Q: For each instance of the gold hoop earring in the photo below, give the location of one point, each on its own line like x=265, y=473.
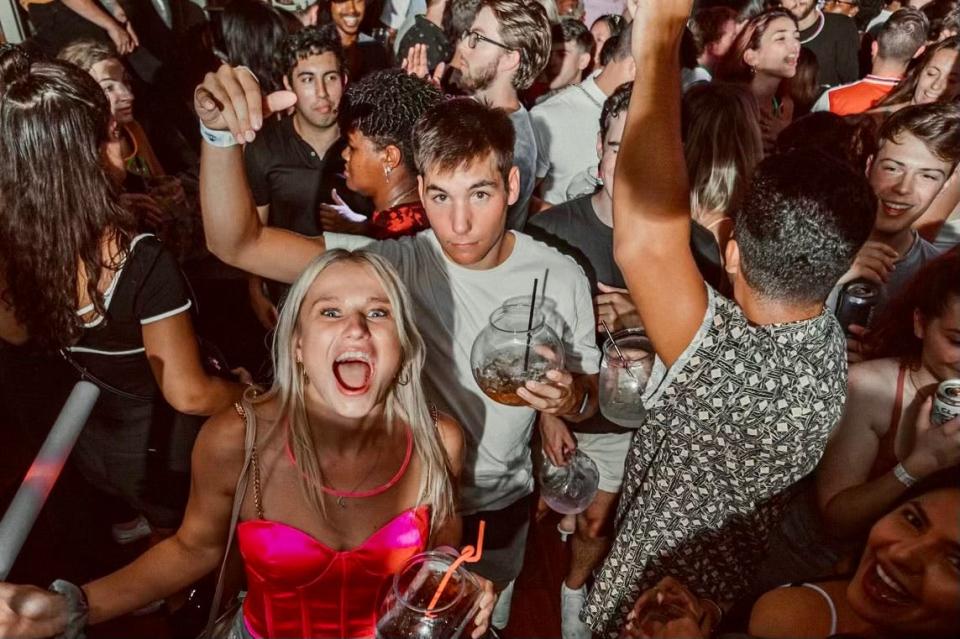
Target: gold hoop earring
x=403, y=378
x=304, y=378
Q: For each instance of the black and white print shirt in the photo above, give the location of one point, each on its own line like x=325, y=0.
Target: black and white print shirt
x=743, y=414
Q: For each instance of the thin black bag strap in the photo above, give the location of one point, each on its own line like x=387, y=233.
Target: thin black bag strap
x=90, y=377
x=245, y=411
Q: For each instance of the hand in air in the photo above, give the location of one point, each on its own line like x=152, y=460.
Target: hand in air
x=416, y=63
x=231, y=100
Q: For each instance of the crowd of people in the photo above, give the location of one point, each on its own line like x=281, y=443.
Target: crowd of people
x=376, y=182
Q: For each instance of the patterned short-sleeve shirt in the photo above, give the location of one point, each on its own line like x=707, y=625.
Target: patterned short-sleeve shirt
x=744, y=413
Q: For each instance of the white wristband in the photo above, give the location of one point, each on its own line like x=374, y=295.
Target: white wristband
x=903, y=476
x=219, y=139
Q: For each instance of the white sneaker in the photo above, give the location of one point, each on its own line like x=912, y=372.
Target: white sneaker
x=131, y=531
x=501, y=611
x=571, y=601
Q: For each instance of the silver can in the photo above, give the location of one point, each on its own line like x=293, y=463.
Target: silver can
x=946, y=405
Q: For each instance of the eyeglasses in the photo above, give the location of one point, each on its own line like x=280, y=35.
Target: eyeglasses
x=472, y=37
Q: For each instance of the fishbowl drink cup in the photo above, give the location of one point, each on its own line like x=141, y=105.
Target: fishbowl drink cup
x=621, y=386
x=513, y=349
x=404, y=612
x=569, y=489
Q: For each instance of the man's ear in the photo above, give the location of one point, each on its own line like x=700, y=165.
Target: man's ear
x=393, y=156
x=286, y=83
x=731, y=262
x=513, y=185
x=874, y=49
x=584, y=61
x=510, y=61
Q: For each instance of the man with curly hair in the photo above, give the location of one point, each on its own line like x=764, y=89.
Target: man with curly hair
x=506, y=48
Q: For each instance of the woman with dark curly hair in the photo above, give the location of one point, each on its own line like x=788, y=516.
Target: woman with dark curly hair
x=377, y=118
x=76, y=277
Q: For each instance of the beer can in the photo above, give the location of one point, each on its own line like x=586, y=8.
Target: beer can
x=946, y=405
x=856, y=303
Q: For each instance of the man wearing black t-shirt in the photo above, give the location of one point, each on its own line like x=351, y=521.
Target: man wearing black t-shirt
x=832, y=37
x=294, y=163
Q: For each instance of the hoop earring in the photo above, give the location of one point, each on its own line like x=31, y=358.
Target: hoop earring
x=304, y=378
x=403, y=378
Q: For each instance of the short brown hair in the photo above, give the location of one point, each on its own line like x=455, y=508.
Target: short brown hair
x=937, y=125
x=706, y=25
x=457, y=132
x=524, y=27
x=86, y=53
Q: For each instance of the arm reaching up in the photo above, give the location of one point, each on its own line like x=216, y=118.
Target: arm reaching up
x=230, y=100
x=651, y=203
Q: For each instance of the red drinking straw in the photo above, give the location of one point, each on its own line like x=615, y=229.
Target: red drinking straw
x=469, y=554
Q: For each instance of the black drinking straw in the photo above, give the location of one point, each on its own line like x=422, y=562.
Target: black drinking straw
x=533, y=303
x=616, y=347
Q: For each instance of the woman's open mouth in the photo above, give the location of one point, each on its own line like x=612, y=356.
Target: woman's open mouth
x=353, y=371
x=884, y=588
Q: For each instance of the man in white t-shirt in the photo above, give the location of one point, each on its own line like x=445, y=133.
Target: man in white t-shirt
x=459, y=272
x=566, y=125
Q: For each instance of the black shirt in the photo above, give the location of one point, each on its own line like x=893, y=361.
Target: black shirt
x=425, y=32
x=149, y=287
x=835, y=42
x=285, y=173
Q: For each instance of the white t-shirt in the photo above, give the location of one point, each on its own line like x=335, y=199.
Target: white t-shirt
x=566, y=128
x=452, y=305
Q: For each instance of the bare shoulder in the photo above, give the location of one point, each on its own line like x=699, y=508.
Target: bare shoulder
x=792, y=612
x=872, y=390
x=874, y=374
x=222, y=439
x=451, y=434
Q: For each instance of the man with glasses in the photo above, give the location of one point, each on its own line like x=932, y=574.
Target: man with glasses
x=506, y=48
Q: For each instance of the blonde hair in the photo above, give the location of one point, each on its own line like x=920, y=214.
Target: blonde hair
x=87, y=53
x=404, y=402
x=722, y=145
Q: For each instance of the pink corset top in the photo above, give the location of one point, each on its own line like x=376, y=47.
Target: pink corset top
x=299, y=587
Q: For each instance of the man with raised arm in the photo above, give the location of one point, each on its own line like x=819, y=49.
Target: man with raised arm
x=458, y=273
x=745, y=391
